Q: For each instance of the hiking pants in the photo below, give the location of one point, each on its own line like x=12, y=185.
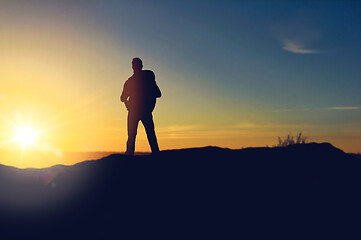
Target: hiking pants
x=147, y=120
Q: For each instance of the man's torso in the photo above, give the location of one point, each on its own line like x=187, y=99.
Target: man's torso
x=141, y=91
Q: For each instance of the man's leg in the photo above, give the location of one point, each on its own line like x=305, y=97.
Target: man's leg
x=132, y=132
x=148, y=123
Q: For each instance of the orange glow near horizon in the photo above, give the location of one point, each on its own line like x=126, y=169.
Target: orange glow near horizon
x=67, y=78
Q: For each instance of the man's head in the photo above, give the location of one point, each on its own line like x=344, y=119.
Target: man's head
x=137, y=64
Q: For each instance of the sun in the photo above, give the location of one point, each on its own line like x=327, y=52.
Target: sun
x=26, y=136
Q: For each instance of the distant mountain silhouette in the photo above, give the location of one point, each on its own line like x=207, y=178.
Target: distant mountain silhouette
x=47, y=159
x=301, y=191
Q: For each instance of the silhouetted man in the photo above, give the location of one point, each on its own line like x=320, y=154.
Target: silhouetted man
x=139, y=95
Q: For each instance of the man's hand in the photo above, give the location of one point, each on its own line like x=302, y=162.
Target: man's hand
x=127, y=104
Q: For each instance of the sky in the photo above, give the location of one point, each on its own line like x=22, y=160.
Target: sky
x=232, y=73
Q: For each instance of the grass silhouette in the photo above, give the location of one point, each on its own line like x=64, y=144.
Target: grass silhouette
x=291, y=140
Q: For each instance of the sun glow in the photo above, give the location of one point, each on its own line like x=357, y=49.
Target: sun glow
x=26, y=136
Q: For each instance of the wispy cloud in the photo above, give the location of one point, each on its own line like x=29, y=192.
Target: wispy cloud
x=267, y=125
x=295, y=47
x=284, y=110
x=292, y=110
x=178, y=128
x=245, y=125
x=345, y=108
x=327, y=108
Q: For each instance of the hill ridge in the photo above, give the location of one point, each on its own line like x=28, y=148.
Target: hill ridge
x=206, y=192
x=325, y=145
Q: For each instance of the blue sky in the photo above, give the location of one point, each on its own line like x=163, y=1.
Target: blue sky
x=233, y=69
x=280, y=54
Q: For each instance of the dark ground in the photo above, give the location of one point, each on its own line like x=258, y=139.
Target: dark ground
x=309, y=191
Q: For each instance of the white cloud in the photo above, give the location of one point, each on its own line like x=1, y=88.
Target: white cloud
x=295, y=47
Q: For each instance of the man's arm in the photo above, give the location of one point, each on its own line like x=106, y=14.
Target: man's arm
x=157, y=91
x=125, y=94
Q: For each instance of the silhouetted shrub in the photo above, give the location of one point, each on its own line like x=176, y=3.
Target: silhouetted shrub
x=291, y=140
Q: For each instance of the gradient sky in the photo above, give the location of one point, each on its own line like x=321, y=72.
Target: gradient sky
x=232, y=73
